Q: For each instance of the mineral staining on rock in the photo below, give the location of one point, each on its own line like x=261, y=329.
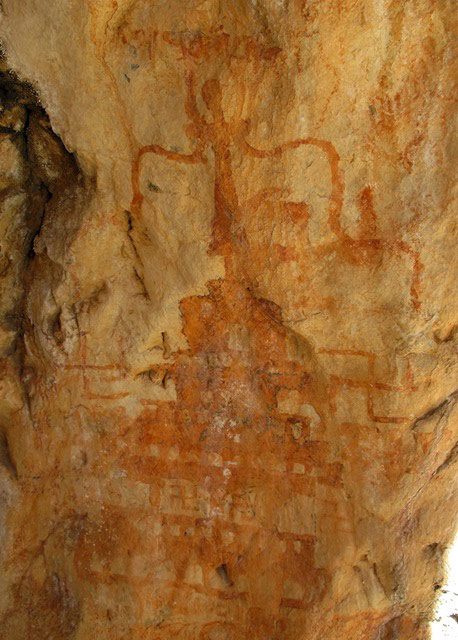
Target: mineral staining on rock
x=228, y=319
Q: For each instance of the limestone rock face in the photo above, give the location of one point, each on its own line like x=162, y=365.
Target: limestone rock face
x=228, y=318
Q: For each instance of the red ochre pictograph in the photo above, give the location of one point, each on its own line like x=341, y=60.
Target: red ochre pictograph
x=220, y=135
x=105, y=373
x=213, y=479
x=369, y=386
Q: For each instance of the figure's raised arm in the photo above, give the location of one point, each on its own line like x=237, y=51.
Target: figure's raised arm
x=137, y=198
x=337, y=182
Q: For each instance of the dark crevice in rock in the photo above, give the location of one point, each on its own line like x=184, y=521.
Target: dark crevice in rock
x=389, y=630
x=439, y=411
x=6, y=458
x=41, y=202
x=451, y=458
x=223, y=573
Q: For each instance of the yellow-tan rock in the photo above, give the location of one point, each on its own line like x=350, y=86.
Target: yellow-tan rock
x=228, y=318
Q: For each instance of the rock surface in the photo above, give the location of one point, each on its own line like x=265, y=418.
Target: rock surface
x=228, y=318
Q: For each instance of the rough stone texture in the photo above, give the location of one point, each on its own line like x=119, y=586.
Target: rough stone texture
x=228, y=318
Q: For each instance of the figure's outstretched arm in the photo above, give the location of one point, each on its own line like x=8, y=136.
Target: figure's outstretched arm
x=196, y=130
x=188, y=158
x=137, y=198
x=337, y=192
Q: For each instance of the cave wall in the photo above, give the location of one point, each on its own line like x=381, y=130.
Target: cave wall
x=228, y=318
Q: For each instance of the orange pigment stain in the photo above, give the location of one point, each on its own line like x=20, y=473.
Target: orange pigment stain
x=223, y=460
x=212, y=509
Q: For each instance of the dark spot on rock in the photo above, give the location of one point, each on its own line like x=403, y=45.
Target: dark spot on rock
x=223, y=573
x=6, y=459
